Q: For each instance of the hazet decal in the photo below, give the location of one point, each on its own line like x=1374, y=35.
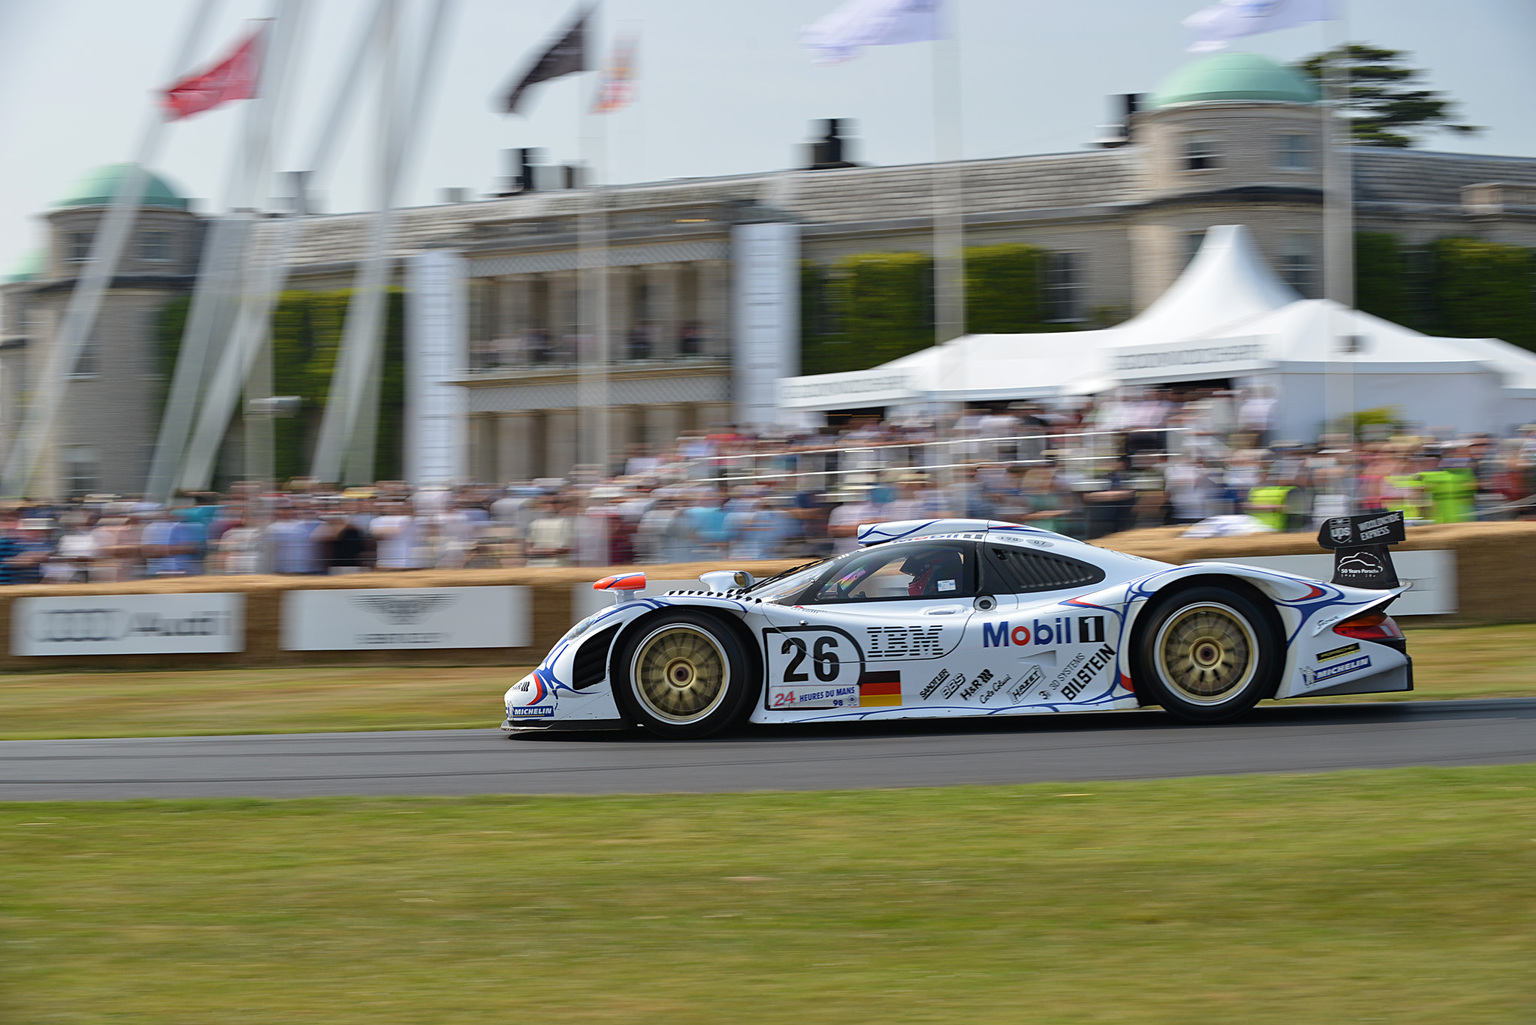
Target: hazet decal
x=1031, y=678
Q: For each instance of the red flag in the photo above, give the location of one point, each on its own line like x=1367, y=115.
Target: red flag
x=233, y=78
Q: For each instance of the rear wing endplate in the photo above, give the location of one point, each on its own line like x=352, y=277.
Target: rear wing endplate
x=1359, y=544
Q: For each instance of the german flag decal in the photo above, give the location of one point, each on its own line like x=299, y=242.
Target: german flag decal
x=880, y=689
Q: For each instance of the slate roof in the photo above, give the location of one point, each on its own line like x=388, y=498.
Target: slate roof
x=1093, y=178
x=1407, y=177
x=851, y=195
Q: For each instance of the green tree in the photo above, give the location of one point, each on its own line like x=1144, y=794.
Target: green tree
x=1384, y=101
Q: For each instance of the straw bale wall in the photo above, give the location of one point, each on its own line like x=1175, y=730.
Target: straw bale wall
x=1496, y=568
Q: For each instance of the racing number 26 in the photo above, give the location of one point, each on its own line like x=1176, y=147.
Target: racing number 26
x=823, y=659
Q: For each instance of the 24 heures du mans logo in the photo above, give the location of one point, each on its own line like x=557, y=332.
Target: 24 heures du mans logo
x=105, y=625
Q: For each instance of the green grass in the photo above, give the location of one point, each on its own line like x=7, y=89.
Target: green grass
x=1397, y=896
x=97, y=704
x=1471, y=662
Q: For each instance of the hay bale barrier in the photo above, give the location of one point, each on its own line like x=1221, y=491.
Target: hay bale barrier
x=1495, y=567
x=550, y=608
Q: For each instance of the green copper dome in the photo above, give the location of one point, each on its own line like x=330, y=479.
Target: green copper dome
x=100, y=186
x=1223, y=77
x=28, y=267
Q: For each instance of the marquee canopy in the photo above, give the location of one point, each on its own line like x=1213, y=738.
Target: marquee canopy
x=1228, y=316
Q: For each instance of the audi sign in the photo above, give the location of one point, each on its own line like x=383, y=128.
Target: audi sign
x=128, y=624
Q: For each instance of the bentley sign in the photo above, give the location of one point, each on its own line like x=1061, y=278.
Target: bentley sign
x=418, y=617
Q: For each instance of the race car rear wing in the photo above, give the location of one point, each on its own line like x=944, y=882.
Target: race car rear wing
x=1359, y=544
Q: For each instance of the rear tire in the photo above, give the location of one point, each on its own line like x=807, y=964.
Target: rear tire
x=1208, y=655
x=684, y=675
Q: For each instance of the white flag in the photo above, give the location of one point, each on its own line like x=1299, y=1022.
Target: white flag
x=1216, y=26
x=860, y=23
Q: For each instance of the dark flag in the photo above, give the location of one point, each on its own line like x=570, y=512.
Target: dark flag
x=566, y=56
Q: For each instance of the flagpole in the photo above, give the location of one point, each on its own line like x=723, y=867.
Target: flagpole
x=948, y=223
x=1338, y=241
x=592, y=295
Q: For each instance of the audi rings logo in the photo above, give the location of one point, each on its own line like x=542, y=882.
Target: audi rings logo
x=103, y=626
x=76, y=626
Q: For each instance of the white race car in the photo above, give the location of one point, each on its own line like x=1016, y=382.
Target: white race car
x=937, y=618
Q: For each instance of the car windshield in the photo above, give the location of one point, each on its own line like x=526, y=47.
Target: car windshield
x=791, y=582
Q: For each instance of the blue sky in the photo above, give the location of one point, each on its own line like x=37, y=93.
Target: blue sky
x=725, y=87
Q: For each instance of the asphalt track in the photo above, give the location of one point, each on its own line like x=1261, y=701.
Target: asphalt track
x=1115, y=745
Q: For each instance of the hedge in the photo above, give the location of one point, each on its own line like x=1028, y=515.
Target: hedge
x=871, y=308
x=1483, y=290
x=306, y=336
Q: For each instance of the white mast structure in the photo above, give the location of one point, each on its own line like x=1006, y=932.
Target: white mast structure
x=249, y=341
x=106, y=252
x=347, y=431
x=228, y=263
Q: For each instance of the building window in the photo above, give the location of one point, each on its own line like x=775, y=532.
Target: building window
x=1063, y=285
x=1293, y=152
x=1297, y=270
x=87, y=362
x=79, y=246
x=155, y=246
x=1200, y=152
x=81, y=471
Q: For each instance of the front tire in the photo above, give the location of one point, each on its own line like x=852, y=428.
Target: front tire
x=1208, y=655
x=684, y=675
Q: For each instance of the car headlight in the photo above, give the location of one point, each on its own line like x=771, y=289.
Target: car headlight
x=578, y=628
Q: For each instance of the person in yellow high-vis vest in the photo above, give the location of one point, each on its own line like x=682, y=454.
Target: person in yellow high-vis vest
x=1277, y=503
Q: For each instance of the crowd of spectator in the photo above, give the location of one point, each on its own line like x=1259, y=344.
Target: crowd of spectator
x=1203, y=458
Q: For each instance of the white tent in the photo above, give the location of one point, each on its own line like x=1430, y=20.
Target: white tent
x=1228, y=316
x=1226, y=284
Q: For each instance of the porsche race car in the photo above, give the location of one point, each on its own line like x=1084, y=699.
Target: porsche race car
x=938, y=618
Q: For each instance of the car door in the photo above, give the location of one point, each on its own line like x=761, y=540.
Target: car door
x=872, y=628
x=1034, y=648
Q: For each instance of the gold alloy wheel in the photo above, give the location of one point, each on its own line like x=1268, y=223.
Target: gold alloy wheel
x=681, y=673
x=1206, y=653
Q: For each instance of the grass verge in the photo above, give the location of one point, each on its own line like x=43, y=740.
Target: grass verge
x=1471, y=662
x=1396, y=896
